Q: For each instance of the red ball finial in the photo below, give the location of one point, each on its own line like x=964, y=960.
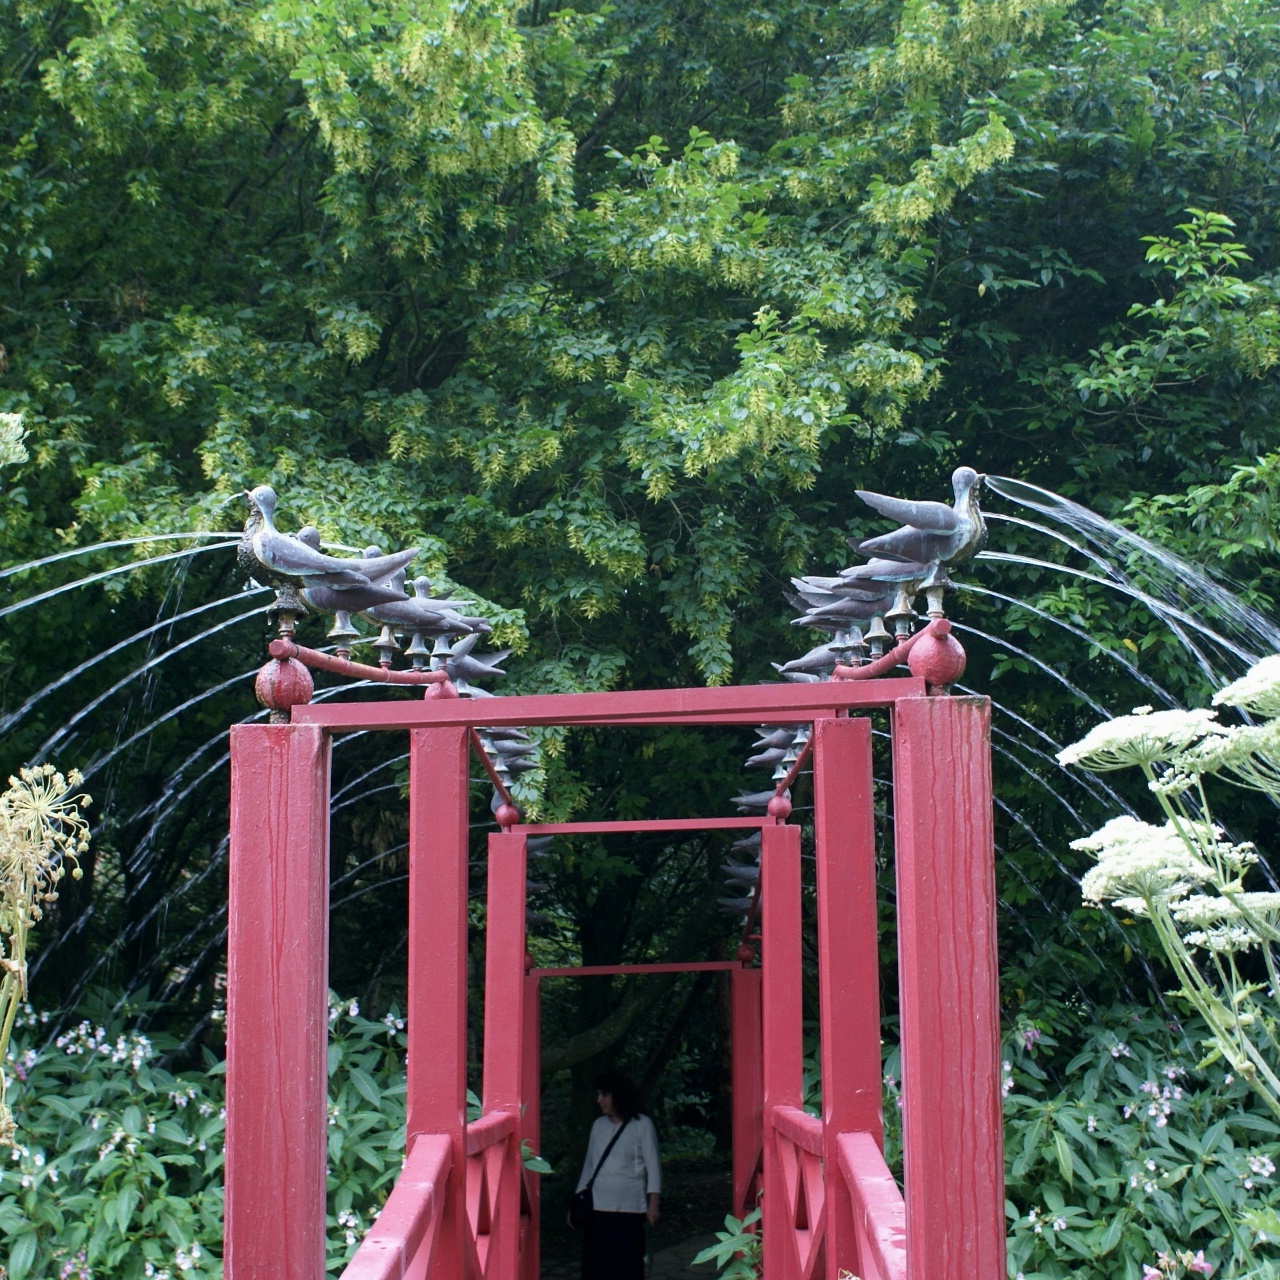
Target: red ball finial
x=507, y=815
x=745, y=953
x=282, y=684
x=937, y=657
x=780, y=808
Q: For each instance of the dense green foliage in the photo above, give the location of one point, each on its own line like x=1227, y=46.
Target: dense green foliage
x=609, y=308
x=1119, y=1148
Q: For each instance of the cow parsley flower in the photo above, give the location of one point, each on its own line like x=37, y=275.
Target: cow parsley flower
x=1137, y=860
x=1258, y=690
x=1142, y=738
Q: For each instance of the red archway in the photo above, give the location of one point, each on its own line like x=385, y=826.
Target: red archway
x=463, y=1207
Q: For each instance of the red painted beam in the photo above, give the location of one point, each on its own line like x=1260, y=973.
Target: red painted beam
x=945, y=865
x=848, y=957
x=771, y=703
x=531, y=1127
x=504, y=1031
x=782, y=1000
x=277, y=1003
x=437, y=1057
x=606, y=970
x=635, y=825
x=747, y=1083
x=799, y=1127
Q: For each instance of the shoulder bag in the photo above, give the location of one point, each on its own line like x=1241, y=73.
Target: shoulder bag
x=581, y=1206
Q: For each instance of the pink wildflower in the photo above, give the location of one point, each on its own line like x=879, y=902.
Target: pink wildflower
x=1199, y=1264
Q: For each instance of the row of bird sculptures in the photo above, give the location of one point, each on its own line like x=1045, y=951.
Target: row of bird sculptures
x=913, y=559
x=853, y=609
x=371, y=585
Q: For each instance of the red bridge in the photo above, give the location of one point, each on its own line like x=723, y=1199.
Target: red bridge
x=463, y=1207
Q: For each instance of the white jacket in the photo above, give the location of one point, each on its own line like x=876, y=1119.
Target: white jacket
x=631, y=1171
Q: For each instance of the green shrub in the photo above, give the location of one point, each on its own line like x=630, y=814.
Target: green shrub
x=1131, y=1159
x=118, y=1170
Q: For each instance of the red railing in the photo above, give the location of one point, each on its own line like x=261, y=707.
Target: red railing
x=798, y=1141
x=879, y=1214
x=401, y=1243
x=491, y=1242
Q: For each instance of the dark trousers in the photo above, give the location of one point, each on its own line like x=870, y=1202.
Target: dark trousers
x=614, y=1247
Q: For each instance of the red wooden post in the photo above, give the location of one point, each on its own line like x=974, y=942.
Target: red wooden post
x=782, y=999
x=531, y=1126
x=746, y=1083
x=848, y=961
x=277, y=1003
x=953, y=1163
x=504, y=1027
x=437, y=1058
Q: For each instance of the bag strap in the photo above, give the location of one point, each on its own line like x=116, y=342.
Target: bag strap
x=607, y=1149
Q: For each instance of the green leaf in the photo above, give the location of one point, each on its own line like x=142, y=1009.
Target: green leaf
x=365, y=1085
x=1064, y=1158
x=22, y=1255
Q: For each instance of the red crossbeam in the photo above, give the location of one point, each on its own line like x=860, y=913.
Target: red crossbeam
x=607, y=970
x=488, y=1131
x=799, y=1127
x=752, y=705
x=648, y=824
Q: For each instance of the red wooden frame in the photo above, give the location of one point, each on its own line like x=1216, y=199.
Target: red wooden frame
x=463, y=1208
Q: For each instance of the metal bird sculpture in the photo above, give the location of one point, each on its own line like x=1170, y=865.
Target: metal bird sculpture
x=469, y=667
x=342, y=602
x=931, y=533
x=818, y=660
x=275, y=559
x=749, y=800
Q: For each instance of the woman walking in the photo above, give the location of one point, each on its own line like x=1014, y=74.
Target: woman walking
x=626, y=1184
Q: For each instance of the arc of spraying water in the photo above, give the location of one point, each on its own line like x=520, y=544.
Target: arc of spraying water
x=1074, y=689
x=1145, y=680
x=28, y=601
x=1244, y=620
x=7, y=722
x=138, y=672
x=1167, y=613
x=115, y=542
x=216, y=858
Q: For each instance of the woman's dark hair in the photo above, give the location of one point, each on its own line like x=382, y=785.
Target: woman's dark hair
x=626, y=1099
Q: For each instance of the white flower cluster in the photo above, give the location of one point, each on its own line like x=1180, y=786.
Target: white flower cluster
x=1260, y=1167
x=353, y=1229
x=1138, y=862
x=185, y=1260
x=1144, y=738
x=1258, y=690
x=1247, y=754
x=87, y=1039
